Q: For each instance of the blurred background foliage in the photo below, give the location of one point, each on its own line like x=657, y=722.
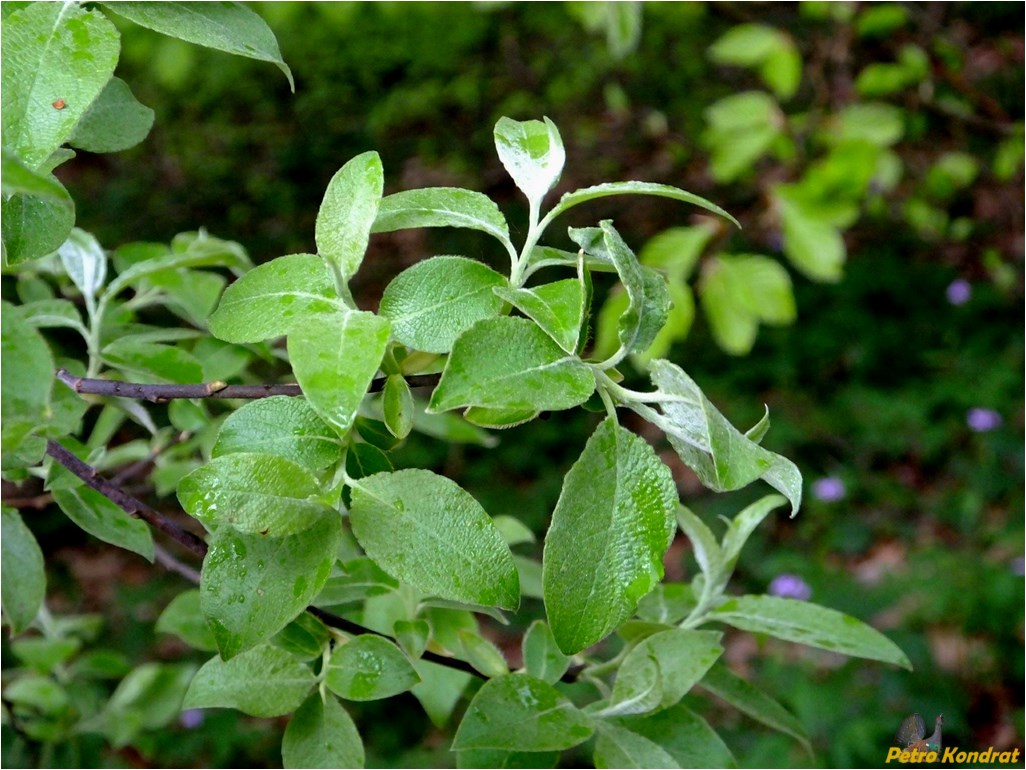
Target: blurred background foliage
x=873, y=153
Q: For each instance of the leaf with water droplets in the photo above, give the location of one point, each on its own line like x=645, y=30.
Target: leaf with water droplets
x=334, y=357
x=252, y=586
x=369, y=667
x=519, y=712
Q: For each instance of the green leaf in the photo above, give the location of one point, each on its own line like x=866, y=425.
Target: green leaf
x=441, y=207
x=542, y=657
x=184, y=618
x=519, y=712
x=348, y=211
x=510, y=363
x=882, y=125
x=558, y=308
x=273, y=298
x=744, y=524
x=532, y=153
x=811, y=625
x=662, y=669
x=485, y=417
x=612, y=524
x=321, y=734
x=114, y=122
x=253, y=586
x=35, y=226
x=187, y=250
x=334, y=358
x=152, y=362
x=813, y=244
x=26, y=379
x=667, y=603
x=50, y=313
x=397, y=406
x=739, y=693
x=366, y=460
x=57, y=60
x=425, y=530
x=678, y=323
x=85, y=262
x=496, y=758
x=703, y=543
x=439, y=690
x=413, y=636
x=263, y=682
x=103, y=519
x=733, y=325
x=361, y=579
x=633, y=188
x=229, y=27
x=513, y=530
x=742, y=127
x=283, y=426
x=254, y=493
x=618, y=747
x=683, y=735
x=482, y=654
x=433, y=302
x=722, y=456
x=769, y=49
x=676, y=250
x=148, y=698
x=369, y=667
x=19, y=178
x=306, y=637
x=23, y=578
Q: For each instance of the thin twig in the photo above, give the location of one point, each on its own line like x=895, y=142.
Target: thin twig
x=170, y=562
x=160, y=394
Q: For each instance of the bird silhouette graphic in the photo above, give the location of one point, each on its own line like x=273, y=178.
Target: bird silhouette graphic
x=912, y=731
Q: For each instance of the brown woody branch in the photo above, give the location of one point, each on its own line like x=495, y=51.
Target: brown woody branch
x=160, y=394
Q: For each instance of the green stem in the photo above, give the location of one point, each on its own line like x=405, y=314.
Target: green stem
x=534, y=231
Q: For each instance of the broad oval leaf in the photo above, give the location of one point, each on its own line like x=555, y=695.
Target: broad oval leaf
x=683, y=735
x=813, y=243
x=369, y=667
x=263, y=682
x=57, y=60
x=441, y=207
x=542, y=657
x=618, y=747
x=252, y=586
x=348, y=211
x=35, y=226
x=811, y=625
x=255, y=493
x=519, y=712
x=114, y=122
x=283, y=426
x=558, y=308
x=272, y=298
x=532, y=153
x=433, y=302
x=334, y=357
x=321, y=734
x=510, y=363
x=612, y=524
x=425, y=530
x=23, y=578
x=229, y=27
x=103, y=519
x=634, y=188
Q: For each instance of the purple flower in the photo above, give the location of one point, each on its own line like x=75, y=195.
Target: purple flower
x=982, y=420
x=829, y=489
x=790, y=587
x=959, y=291
x=190, y=719
x=1019, y=566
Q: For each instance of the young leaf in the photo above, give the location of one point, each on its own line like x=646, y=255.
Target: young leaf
x=558, y=308
x=348, y=211
x=57, y=59
x=618, y=747
x=748, y=699
x=662, y=669
x=335, y=357
x=272, y=298
x=542, y=657
x=611, y=526
x=519, y=712
x=23, y=578
x=482, y=654
x=703, y=543
x=720, y=454
x=532, y=153
x=283, y=426
x=26, y=379
x=184, y=618
x=441, y=207
x=809, y=624
x=510, y=363
x=369, y=667
x=362, y=578
x=114, y=122
x=433, y=302
x=571, y=199
x=229, y=27
x=321, y=734
x=397, y=406
x=413, y=636
x=103, y=519
x=85, y=262
x=253, y=586
x=263, y=682
x=425, y=530
x=744, y=524
x=683, y=735
x=254, y=493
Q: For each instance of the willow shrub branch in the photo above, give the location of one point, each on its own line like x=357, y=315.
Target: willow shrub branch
x=162, y=393
x=198, y=546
